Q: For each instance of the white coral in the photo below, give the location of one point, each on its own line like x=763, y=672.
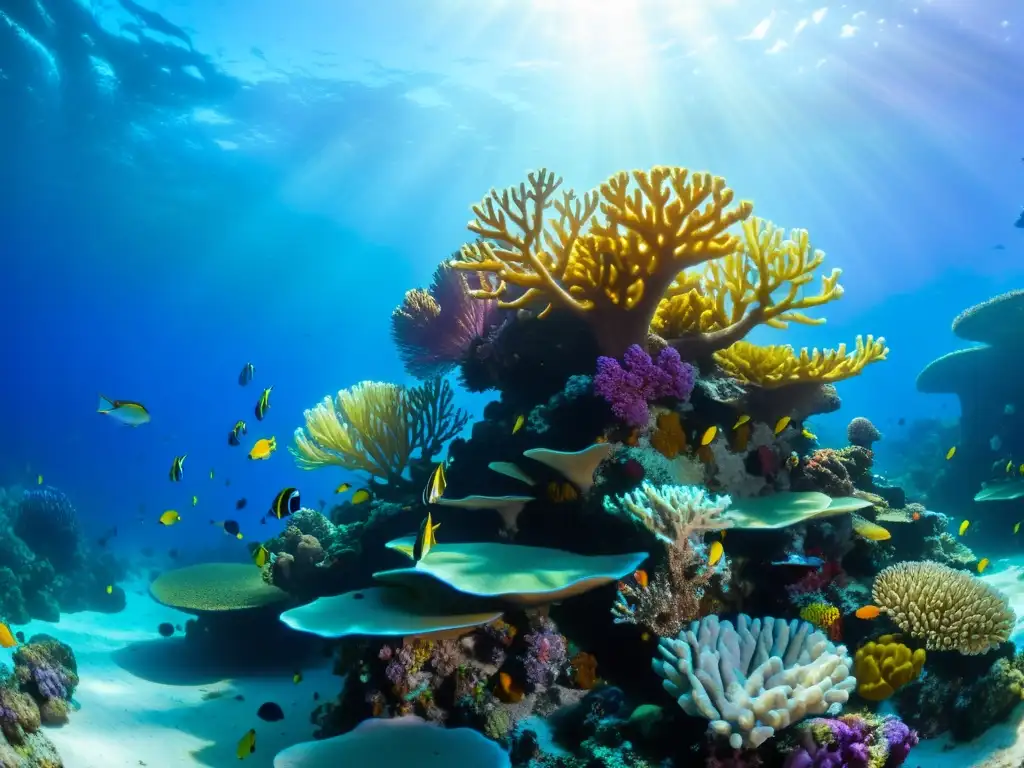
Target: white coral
x=674, y=513
x=755, y=678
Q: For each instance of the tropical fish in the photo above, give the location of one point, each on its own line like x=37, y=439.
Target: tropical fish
x=246, y=375
x=983, y=564
x=520, y=420
x=869, y=530
x=263, y=448
x=1009, y=466
x=361, y=496
x=263, y=404
x=743, y=419
x=7, y=639
x=1016, y=528
x=709, y=435
x=426, y=539
x=285, y=503
x=343, y=487
x=230, y=527
x=808, y=434
x=715, y=553
x=39, y=480
x=916, y=516
x=240, y=504
x=125, y=412
x=170, y=517
x=260, y=556
x=964, y=526
x=1022, y=469
x=211, y=474
x=782, y=423
x=239, y=429
x=803, y=561
x=195, y=500
x=642, y=579
x=868, y=612
x=435, y=486
x=297, y=677
x=110, y=589
x=270, y=712
x=951, y=453
x=166, y=629
x=177, y=468
x=246, y=744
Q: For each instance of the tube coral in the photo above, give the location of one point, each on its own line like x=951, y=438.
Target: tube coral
x=434, y=328
x=629, y=387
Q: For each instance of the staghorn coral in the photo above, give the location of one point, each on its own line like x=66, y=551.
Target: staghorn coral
x=613, y=266
x=885, y=665
x=780, y=365
x=629, y=388
x=434, y=329
x=754, y=678
x=862, y=433
x=946, y=608
x=376, y=427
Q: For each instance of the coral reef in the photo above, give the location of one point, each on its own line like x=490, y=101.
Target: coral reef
x=862, y=433
x=852, y=741
x=639, y=381
x=885, y=665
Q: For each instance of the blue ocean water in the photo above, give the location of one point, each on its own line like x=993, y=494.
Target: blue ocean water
x=187, y=186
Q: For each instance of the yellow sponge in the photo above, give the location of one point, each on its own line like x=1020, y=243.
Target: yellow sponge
x=885, y=665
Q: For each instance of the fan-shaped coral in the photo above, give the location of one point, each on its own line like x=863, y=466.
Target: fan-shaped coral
x=949, y=610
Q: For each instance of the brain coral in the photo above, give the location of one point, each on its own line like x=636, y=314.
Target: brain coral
x=215, y=587
x=950, y=610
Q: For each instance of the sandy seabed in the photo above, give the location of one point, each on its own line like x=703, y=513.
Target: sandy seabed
x=151, y=701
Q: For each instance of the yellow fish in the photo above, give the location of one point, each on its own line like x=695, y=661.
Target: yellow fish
x=519, y=424
x=951, y=453
x=125, y=412
x=361, y=496
x=709, y=435
x=39, y=480
x=982, y=564
x=715, y=553
x=782, y=423
x=426, y=539
x=247, y=744
x=1016, y=528
x=110, y=589
x=1009, y=466
x=195, y=500
x=263, y=448
x=808, y=434
x=260, y=556
x=435, y=486
x=741, y=421
x=297, y=677
x=964, y=526
x=170, y=517
x=1022, y=469
x=177, y=468
x=343, y=487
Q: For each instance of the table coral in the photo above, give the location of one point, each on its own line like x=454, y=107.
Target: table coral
x=755, y=678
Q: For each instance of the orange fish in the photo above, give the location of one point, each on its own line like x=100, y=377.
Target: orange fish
x=867, y=612
x=916, y=516
x=7, y=639
x=641, y=579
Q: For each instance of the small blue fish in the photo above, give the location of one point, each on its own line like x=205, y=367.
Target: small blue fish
x=802, y=561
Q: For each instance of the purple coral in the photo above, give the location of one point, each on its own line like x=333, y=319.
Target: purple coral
x=52, y=684
x=851, y=741
x=631, y=386
x=433, y=329
x=545, y=655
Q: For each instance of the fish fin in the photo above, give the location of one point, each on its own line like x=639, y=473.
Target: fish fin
x=106, y=405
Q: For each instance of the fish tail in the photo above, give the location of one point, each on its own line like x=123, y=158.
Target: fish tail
x=106, y=405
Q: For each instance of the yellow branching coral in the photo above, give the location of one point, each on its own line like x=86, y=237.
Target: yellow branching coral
x=610, y=255
x=376, y=427
x=740, y=290
x=884, y=666
x=949, y=610
x=779, y=365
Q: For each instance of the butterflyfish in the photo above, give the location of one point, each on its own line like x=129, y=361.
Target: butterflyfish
x=715, y=553
x=951, y=453
x=236, y=432
x=125, y=412
x=343, y=487
x=741, y=421
x=709, y=435
x=964, y=526
x=170, y=517
x=246, y=744
x=230, y=527
x=361, y=496
x=285, y=503
x=260, y=556
x=435, y=486
x=177, y=468
x=982, y=564
x=263, y=404
x=246, y=375
x=782, y=423
x=520, y=420
x=263, y=448
x=426, y=539
x=7, y=639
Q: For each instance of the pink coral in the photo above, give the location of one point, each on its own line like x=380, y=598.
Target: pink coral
x=433, y=329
